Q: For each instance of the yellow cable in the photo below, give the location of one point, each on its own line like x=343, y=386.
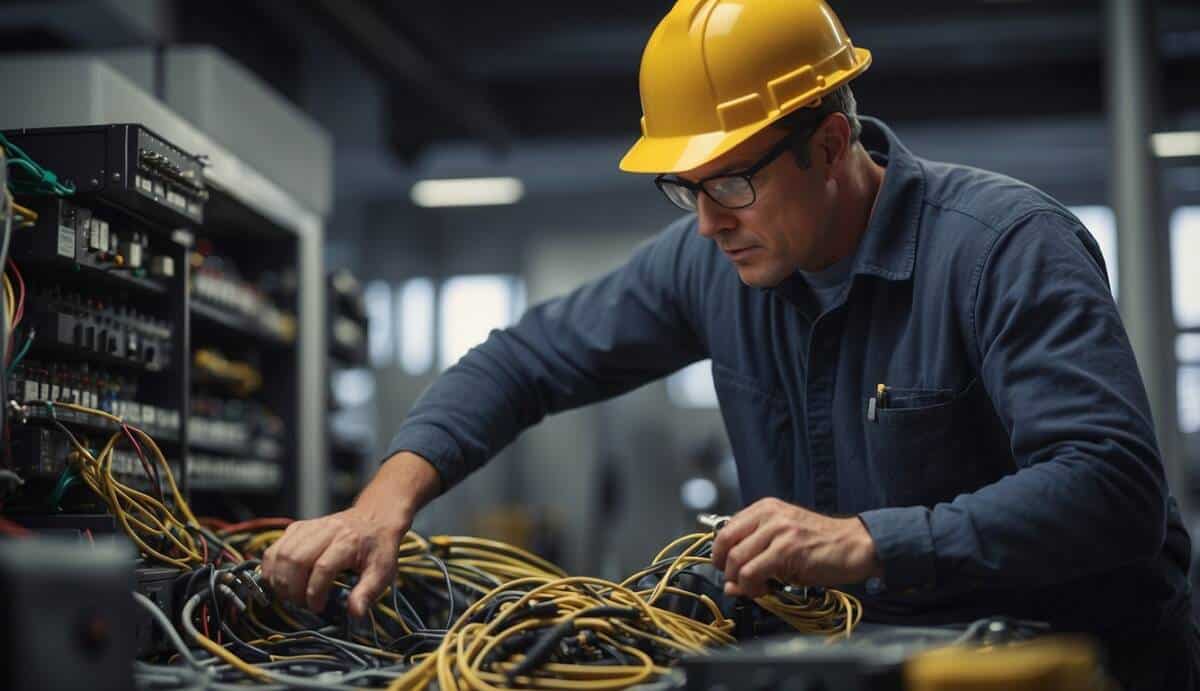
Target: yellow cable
x=10, y=305
x=29, y=216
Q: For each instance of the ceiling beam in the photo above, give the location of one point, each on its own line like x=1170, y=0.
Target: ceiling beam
x=367, y=34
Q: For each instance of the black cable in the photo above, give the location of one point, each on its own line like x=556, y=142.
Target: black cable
x=215, y=614
x=58, y=423
x=541, y=651
x=497, y=600
x=399, y=597
x=449, y=587
x=220, y=621
x=490, y=582
x=374, y=628
x=433, y=597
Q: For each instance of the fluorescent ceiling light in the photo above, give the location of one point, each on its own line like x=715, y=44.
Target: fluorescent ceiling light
x=467, y=192
x=1176, y=144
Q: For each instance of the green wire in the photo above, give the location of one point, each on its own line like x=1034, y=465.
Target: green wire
x=44, y=182
x=24, y=349
x=13, y=149
x=64, y=483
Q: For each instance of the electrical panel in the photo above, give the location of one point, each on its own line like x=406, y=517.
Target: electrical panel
x=145, y=295
x=99, y=334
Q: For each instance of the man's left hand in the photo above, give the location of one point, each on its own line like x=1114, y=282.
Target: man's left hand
x=774, y=539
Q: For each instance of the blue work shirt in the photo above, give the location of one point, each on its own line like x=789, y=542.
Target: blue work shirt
x=1011, y=467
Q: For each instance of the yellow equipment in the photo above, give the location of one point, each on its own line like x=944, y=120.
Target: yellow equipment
x=1043, y=664
x=715, y=72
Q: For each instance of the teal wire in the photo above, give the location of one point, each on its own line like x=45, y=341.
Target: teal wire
x=24, y=349
x=45, y=182
x=64, y=483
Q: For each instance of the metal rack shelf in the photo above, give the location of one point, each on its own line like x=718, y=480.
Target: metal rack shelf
x=237, y=323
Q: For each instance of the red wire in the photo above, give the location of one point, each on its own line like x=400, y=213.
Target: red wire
x=88, y=533
x=20, y=312
x=256, y=524
x=7, y=527
x=204, y=619
x=150, y=468
x=214, y=524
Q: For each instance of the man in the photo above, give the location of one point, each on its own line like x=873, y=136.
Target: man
x=925, y=380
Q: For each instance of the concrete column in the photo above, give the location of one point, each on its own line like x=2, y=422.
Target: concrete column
x=1144, y=249
x=312, y=462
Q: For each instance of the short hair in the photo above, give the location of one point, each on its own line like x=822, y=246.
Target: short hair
x=805, y=120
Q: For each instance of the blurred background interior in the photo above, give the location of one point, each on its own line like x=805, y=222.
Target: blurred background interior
x=347, y=117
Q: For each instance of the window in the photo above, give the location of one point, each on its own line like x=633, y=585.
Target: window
x=692, y=386
x=470, y=307
x=1187, y=386
x=1102, y=224
x=1187, y=349
x=414, y=319
x=1187, y=382
x=353, y=387
x=1185, y=247
x=380, y=330
x=1185, y=294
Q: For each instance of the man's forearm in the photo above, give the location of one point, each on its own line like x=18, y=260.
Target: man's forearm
x=404, y=483
x=607, y=337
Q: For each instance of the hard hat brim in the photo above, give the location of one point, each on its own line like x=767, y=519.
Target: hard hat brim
x=683, y=153
x=686, y=152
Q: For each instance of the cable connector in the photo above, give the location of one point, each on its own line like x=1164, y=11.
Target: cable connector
x=18, y=412
x=712, y=521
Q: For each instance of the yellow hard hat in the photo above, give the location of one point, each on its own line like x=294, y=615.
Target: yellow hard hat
x=715, y=72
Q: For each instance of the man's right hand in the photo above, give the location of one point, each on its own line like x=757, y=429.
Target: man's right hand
x=302, y=564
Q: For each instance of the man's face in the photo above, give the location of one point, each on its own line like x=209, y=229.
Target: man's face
x=788, y=225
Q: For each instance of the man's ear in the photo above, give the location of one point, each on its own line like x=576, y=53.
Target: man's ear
x=831, y=142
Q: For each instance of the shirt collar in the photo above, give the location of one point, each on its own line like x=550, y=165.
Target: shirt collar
x=888, y=248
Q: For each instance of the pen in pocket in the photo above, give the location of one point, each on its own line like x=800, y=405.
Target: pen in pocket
x=877, y=402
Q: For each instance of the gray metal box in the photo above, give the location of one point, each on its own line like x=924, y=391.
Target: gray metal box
x=66, y=617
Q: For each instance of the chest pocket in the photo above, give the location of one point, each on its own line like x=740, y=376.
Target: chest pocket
x=760, y=431
x=929, y=446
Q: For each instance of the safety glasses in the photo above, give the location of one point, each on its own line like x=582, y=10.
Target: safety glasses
x=731, y=190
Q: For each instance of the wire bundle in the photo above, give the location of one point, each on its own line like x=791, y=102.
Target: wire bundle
x=249, y=635
x=806, y=609
x=568, y=633
x=462, y=612
x=148, y=520
x=14, y=313
x=586, y=633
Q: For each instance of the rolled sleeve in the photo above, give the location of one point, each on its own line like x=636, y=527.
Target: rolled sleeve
x=904, y=544
x=435, y=445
